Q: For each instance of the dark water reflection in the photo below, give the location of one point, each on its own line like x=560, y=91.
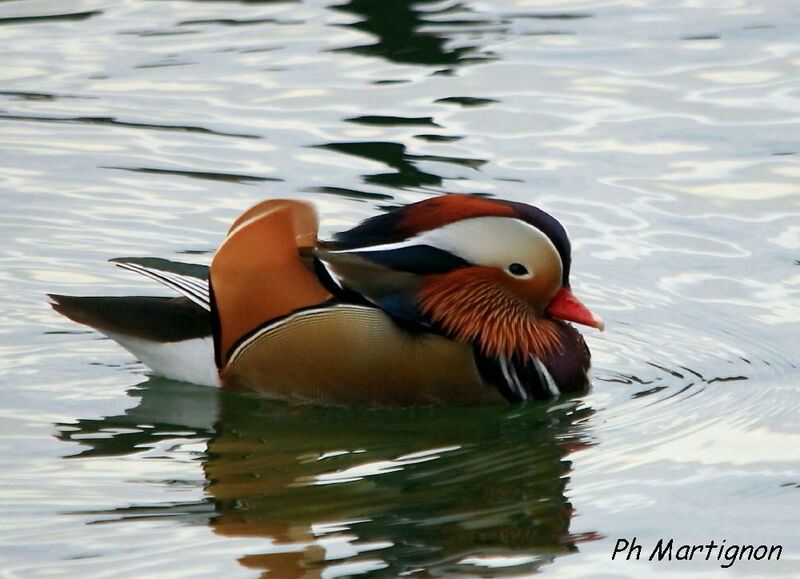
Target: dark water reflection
x=107, y=121
x=407, y=173
x=438, y=491
x=664, y=137
x=70, y=17
x=399, y=26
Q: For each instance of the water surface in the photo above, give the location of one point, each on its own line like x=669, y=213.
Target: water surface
x=664, y=136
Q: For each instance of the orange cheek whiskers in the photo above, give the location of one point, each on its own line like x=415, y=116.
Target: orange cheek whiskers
x=472, y=307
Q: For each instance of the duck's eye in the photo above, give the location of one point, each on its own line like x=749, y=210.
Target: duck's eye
x=518, y=270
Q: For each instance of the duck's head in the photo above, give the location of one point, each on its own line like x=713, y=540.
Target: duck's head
x=490, y=272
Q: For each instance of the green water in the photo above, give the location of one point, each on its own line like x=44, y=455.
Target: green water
x=664, y=137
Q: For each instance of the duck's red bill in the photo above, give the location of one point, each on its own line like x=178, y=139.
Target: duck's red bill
x=565, y=306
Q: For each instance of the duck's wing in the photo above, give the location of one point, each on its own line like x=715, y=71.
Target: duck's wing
x=159, y=319
x=189, y=280
x=258, y=275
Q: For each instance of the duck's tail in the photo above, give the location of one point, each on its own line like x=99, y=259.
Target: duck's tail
x=172, y=336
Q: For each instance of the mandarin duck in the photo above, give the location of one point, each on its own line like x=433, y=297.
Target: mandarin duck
x=457, y=299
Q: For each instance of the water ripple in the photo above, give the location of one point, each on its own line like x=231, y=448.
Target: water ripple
x=663, y=137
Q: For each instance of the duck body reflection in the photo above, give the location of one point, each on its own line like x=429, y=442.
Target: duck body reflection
x=449, y=492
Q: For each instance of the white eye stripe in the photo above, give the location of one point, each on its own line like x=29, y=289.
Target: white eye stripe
x=470, y=239
x=495, y=241
x=442, y=237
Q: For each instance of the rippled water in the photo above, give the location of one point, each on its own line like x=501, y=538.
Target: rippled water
x=665, y=137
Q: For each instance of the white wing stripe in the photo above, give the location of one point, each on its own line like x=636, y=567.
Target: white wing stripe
x=193, y=288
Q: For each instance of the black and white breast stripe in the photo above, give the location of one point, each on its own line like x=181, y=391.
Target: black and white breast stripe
x=517, y=381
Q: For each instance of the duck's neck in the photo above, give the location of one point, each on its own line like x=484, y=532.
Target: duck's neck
x=476, y=310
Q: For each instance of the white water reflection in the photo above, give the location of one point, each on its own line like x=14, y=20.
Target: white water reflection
x=663, y=136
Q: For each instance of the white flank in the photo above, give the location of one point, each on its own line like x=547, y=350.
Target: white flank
x=188, y=360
